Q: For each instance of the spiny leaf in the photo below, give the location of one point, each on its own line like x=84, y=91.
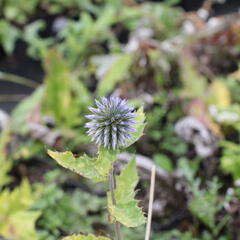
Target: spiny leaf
x=126, y=210
x=83, y=237
x=139, y=126
x=95, y=169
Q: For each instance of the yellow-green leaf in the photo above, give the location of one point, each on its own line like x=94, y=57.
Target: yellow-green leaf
x=4, y=177
x=58, y=100
x=12, y=227
x=15, y=214
x=85, y=237
x=95, y=169
x=21, y=198
x=126, y=210
x=220, y=94
x=4, y=162
x=194, y=85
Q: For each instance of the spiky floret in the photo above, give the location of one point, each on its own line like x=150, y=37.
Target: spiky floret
x=111, y=122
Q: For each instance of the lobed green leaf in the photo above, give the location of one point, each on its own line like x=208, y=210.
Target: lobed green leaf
x=126, y=210
x=95, y=169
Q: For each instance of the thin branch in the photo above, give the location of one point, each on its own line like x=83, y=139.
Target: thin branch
x=12, y=97
x=150, y=206
x=17, y=79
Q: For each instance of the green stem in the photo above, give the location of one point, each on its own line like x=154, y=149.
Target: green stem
x=117, y=227
x=17, y=79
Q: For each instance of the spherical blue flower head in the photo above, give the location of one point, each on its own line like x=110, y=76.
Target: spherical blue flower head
x=111, y=123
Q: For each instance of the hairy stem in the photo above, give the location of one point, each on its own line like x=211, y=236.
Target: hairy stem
x=112, y=187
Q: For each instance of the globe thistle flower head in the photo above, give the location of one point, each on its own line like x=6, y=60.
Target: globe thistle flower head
x=111, y=122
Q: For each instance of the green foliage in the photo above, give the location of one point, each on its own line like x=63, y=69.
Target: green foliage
x=194, y=85
x=58, y=89
x=118, y=71
x=174, y=234
x=37, y=46
x=4, y=162
x=88, y=59
x=188, y=168
x=230, y=160
x=23, y=111
x=126, y=210
x=4, y=177
x=164, y=18
x=78, y=36
x=66, y=98
x=57, y=6
x=95, y=169
x=219, y=94
x=163, y=161
x=233, y=83
x=16, y=215
x=59, y=101
x=85, y=237
x=160, y=128
x=133, y=233
x=206, y=204
x=62, y=212
x=8, y=36
x=19, y=11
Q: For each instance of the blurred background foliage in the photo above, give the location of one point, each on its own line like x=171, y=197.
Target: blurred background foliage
x=57, y=56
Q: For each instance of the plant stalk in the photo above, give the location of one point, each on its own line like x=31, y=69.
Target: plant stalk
x=150, y=206
x=17, y=79
x=117, y=228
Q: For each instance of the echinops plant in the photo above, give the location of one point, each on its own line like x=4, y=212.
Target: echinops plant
x=113, y=125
